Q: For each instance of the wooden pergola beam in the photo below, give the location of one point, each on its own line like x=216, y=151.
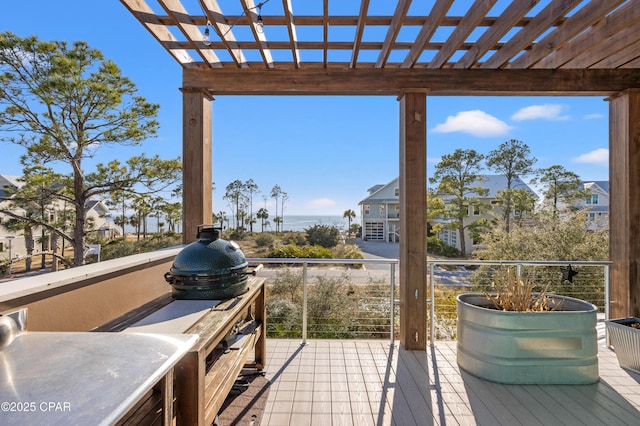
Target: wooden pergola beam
x=388, y=81
x=413, y=220
x=624, y=181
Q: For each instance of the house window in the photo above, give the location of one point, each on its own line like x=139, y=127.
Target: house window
x=1, y=246
x=454, y=238
x=593, y=199
x=592, y=216
x=381, y=210
x=396, y=191
x=476, y=210
x=366, y=209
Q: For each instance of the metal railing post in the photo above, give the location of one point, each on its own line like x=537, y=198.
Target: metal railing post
x=393, y=302
x=432, y=307
x=607, y=298
x=304, y=303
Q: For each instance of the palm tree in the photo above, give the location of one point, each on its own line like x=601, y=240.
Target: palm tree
x=349, y=214
x=263, y=215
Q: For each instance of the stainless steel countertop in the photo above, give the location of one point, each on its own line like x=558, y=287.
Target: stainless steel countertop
x=69, y=378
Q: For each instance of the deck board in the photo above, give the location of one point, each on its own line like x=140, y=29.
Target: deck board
x=351, y=382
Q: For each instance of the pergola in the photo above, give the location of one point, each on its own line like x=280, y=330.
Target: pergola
x=412, y=50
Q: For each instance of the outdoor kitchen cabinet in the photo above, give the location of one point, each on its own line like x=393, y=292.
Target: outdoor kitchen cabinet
x=90, y=378
x=228, y=331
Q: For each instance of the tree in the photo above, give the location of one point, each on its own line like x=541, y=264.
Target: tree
x=62, y=104
x=235, y=196
x=263, y=215
x=276, y=191
x=349, y=214
x=546, y=238
x=457, y=178
x=220, y=217
x=252, y=188
x=560, y=186
x=513, y=160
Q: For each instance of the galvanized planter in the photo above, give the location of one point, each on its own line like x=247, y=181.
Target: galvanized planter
x=558, y=347
x=625, y=341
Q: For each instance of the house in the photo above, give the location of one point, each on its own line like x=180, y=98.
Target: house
x=380, y=212
x=597, y=203
x=97, y=214
x=494, y=183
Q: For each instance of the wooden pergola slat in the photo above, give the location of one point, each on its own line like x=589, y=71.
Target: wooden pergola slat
x=143, y=13
x=364, y=7
x=216, y=17
x=528, y=34
x=600, y=51
x=392, y=33
x=426, y=32
x=461, y=31
x=490, y=37
x=291, y=29
x=182, y=19
x=583, y=18
x=626, y=15
x=261, y=40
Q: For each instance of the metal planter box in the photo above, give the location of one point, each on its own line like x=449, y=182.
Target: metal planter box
x=558, y=347
x=625, y=341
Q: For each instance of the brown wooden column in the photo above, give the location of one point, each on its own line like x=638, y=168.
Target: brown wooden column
x=413, y=230
x=624, y=204
x=196, y=160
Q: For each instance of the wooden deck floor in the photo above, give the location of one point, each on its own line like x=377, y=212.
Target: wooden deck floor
x=348, y=382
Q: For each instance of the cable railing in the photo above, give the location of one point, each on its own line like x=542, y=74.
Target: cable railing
x=309, y=298
x=356, y=301
x=586, y=280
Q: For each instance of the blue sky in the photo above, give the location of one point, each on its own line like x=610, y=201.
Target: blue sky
x=324, y=151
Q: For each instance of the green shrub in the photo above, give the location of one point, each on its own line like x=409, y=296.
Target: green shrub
x=305, y=252
x=236, y=234
x=265, y=240
x=120, y=248
x=323, y=235
x=349, y=251
x=436, y=246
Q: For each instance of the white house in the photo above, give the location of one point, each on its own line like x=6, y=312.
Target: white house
x=494, y=183
x=597, y=203
x=380, y=212
x=97, y=221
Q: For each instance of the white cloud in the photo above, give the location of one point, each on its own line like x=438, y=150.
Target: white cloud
x=595, y=116
x=477, y=123
x=546, y=111
x=321, y=203
x=434, y=160
x=599, y=156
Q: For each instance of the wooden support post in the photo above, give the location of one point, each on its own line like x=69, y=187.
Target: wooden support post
x=196, y=160
x=624, y=216
x=413, y=229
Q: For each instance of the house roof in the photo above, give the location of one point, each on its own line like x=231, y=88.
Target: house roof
x=376, y=193
x=11, y=181
x=495, y=183
x=603, y=184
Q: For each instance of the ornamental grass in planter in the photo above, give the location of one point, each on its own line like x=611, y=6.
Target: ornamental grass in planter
x=624, y=336
x=521, y=334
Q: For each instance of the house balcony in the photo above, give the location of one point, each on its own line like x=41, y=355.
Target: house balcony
x=364, y=376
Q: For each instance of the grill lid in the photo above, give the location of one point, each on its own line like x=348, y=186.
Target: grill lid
x=209, y=257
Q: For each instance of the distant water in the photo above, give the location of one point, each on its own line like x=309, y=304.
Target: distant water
x=290, y=223
x=300, y=223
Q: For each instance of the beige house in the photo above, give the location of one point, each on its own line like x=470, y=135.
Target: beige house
x=494, y=183
x=97, y=220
